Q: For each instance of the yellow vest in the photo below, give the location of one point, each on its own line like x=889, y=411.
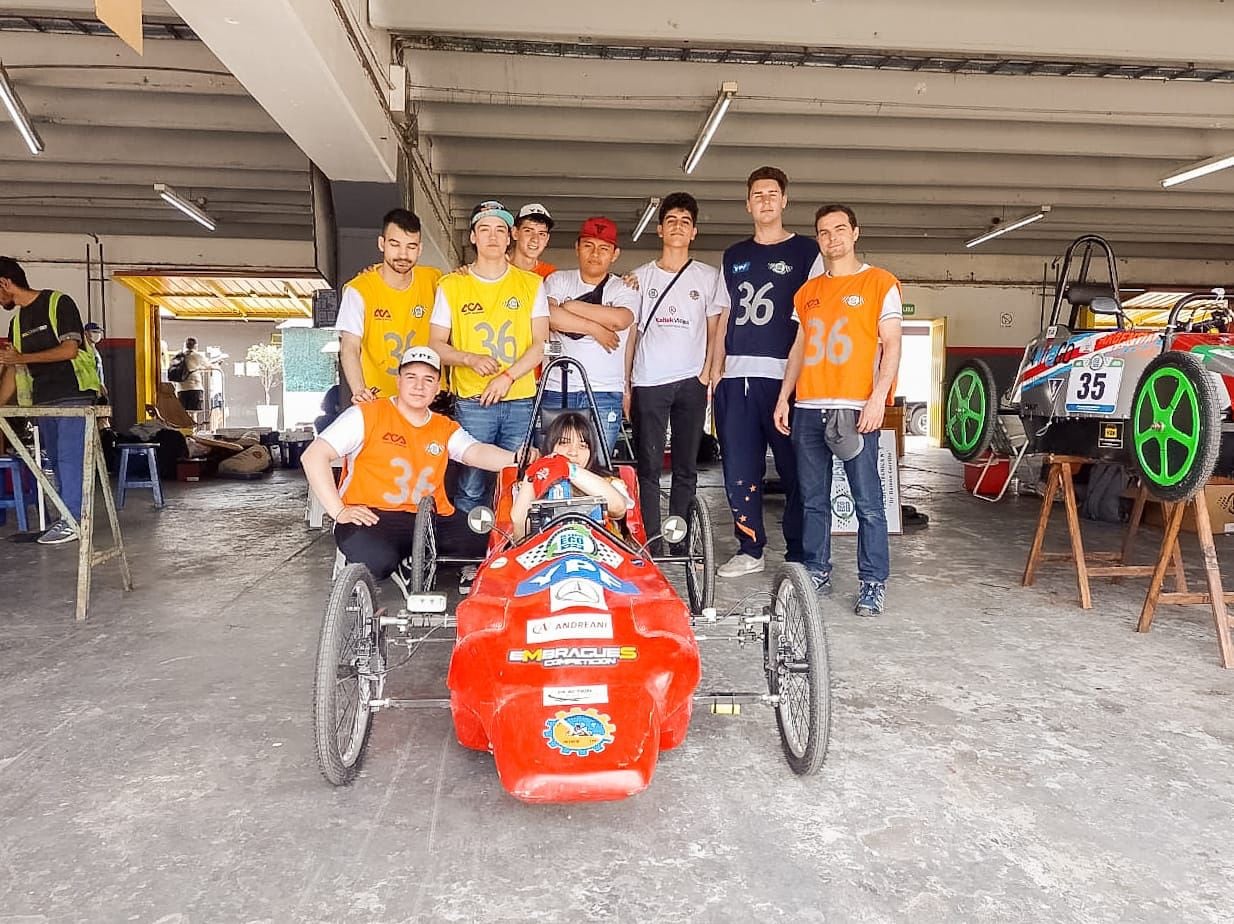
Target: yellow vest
x=394, y=321
x=494, y=319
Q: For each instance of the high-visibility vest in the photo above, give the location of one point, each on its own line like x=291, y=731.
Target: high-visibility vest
x=84, y=365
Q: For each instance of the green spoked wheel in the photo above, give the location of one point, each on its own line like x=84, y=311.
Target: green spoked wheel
x=1175, y=426
x=971, y=411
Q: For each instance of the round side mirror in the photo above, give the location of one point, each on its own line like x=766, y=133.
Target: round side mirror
x=674, y=529
x=481, y=521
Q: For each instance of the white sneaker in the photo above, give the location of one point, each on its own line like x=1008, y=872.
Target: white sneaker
x=741, y=564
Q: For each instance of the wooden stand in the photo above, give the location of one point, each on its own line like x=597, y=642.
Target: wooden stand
x=1095, y=564
x=1215, y=597
x=92, y=467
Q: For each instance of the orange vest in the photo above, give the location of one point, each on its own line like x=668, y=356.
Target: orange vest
x=544, y=270
x=839, y=317
x=399, y=464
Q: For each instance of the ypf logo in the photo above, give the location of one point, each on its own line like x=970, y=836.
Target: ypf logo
x=382, y=314
x=395, y=439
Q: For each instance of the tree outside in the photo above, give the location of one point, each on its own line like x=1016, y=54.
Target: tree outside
x=269, y=360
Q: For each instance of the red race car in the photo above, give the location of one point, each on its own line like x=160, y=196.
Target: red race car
x=576, y=661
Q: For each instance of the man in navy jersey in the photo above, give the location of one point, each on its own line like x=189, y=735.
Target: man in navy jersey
x=762, y=274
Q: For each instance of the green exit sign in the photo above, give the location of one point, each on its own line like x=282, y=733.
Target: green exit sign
x=909, y=309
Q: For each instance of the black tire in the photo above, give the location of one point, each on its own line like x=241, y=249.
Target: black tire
x=701, y=548
x=798, y=664
x=971, y=411
x=1175, y=426
x=347, y=675
x=919, y=420
x=424, y=548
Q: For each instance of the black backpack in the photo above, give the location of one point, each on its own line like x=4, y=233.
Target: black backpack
x=178, y=371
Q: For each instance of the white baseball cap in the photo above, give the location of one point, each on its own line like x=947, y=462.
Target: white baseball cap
x=537, y=211
x=421, y=354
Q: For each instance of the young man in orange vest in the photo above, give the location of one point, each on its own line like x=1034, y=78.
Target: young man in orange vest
x=395, y=452
x=384, y=311
x=843, y=365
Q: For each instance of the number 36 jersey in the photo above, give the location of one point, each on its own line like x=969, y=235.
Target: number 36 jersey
x=389, y=462
x=839, y=318
x=491, y=317
x=762, y=280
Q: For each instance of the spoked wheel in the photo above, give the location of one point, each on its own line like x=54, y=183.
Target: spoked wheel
x=349, y=674
x=701, y=549
x=424, y=547
x=1176, y=426
x=799, y=670
x=972, y=410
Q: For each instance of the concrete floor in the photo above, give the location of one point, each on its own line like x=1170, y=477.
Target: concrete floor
x=997, y=754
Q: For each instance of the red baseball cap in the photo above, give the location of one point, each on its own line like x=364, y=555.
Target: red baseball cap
x=602, y=229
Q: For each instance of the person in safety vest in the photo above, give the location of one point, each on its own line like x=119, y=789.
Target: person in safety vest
x=49, y=362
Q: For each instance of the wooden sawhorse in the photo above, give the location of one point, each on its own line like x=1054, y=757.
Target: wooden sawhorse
x=1093, y=564
x=1215, y=596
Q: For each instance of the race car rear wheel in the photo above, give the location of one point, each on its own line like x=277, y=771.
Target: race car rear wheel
x=348, y=674
x=701, y=549
x=1175, y=426
x=971, y=410
x=799, y=670
x=424, y=547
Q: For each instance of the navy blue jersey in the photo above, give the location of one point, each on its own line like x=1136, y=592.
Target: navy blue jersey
x=762, y=280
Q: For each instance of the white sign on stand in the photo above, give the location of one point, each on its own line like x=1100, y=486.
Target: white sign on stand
x=844, y=511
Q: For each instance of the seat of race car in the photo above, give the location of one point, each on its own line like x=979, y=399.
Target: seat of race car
x=1083, y=293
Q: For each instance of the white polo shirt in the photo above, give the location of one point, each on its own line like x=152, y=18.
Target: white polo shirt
x=605, y=371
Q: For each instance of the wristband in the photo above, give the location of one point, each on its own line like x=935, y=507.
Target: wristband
x=506, y=374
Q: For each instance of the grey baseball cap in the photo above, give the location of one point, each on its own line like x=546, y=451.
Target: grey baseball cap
x=841, y=434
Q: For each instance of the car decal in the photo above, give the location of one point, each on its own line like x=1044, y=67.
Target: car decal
x=1109, y=344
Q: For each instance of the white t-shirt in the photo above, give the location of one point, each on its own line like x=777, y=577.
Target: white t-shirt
x=346, y=435
x=605, y=371
x=673, y=346
x=350, y=312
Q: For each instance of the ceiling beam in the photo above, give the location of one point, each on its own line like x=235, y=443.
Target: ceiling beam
x=190, y=112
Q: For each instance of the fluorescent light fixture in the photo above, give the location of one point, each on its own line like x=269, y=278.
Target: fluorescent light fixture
x=1204, y=168
x=17, y=112
x=175, y=200
x=1004, y=229
x=724, y=99
x=648, y=213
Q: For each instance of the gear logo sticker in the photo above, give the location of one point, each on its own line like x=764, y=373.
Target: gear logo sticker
x=434, y=448
x=854, y=301
x=579, y=732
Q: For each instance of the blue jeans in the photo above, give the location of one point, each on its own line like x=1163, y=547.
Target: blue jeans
x=64, y=442
x=504, y=424
x=815, y=464
x=608, y=403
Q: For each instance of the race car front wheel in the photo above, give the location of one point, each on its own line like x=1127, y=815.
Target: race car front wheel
x=1175, y=426
x=701, y=550
x=424, y=547
x=971, y=412
x=348, y=675
x=799, y=670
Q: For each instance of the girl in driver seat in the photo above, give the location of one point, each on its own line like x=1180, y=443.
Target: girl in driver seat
x=570, y=459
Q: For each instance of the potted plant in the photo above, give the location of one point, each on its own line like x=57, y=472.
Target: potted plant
x=269, y=360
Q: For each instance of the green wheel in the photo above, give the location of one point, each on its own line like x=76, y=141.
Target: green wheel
x=1175, y=426
x=971, y=411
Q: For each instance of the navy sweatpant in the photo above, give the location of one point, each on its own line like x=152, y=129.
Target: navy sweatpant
x=744, y=409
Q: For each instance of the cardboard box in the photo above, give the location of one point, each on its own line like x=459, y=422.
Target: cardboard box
x=894, y=420
x=844, y=513
x=1218, y=498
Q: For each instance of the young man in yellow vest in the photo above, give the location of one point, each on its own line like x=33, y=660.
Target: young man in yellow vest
x=395, y=452
x=385, y=310
x=489, y=324
x=49, y=362
x=843, y=365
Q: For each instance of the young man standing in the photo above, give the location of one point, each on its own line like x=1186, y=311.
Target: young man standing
x=396, y=451
x=591, y=312
x=192, y=388
x=668, y=358
x=489, y=324
x=385, y=310
x=49, y=362
x=532, y=226
x=843, y=364
x=762, y=274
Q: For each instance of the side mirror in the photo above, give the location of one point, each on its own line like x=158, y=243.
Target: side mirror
x=674, y=529
x=1103, y=304
x=481, y=521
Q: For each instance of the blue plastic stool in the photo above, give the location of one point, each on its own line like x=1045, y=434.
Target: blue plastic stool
x=127, y=451
x=14, y=499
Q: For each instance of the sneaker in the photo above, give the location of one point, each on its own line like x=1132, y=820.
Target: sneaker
x=822, y=582
x=59, y=532
x=870, y=598
x=402, y=576
x=741, y=564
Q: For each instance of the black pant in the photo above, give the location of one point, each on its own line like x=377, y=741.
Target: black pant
x=383, y=546
x=683, y=404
